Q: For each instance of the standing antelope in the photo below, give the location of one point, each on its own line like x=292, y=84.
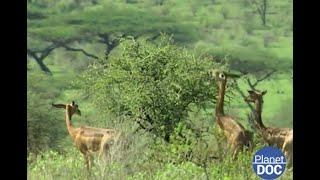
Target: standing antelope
x=236, y=134
x=280, y=137
x=88, y=139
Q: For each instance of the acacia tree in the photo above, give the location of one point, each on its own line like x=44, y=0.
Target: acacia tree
x=105, y=23
x=153, y=85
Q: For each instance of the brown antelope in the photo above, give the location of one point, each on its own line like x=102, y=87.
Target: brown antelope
x=88, y=140
x=236, y=134
x=280, y=137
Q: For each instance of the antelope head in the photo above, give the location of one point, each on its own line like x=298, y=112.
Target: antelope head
x=222, y=76
x=255, y=95
x=73, y=107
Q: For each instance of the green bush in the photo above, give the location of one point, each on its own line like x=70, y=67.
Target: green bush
x=44, y=127
x=150, y=84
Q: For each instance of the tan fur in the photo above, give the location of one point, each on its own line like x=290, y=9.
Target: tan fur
x=235, y=133
x=274, y=136
x=89, y=140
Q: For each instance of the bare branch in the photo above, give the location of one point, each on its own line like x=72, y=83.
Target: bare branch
x=68, y=48
x=40, y=55
x=43, y=53
x=250, y=84
x=242, y=95
x=47, y=51
x=104, y=38
x=32, y=53
x=261, y=8
x=264, y=77
x=256, y=4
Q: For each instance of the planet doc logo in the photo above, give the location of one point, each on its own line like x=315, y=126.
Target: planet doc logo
x=269, y=163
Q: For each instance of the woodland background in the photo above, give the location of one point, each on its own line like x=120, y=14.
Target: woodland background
x=141, y=66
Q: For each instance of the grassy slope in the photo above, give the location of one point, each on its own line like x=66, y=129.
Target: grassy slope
x=221, y=35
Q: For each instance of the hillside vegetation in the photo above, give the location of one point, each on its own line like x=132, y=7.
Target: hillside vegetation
x=121, y=60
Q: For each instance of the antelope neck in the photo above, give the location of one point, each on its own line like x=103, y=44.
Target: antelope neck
x=220, y=101
x=258, y=112
x=69, y=123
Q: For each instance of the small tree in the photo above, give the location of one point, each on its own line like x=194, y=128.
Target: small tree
x=152, y=85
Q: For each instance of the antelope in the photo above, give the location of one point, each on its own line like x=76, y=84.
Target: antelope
x=237, y=136
x=88, y=140
x=273, y=136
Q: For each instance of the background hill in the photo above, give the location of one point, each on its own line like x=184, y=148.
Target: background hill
x=68, y=39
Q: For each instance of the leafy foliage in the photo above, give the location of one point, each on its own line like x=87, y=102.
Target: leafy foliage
x=151, y=84
x=83, y=24
x=44, y=129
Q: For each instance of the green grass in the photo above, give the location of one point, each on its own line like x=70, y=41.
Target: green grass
x=70, y=165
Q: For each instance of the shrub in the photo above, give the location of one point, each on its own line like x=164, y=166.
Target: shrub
x=152, y=85
x=44, y=127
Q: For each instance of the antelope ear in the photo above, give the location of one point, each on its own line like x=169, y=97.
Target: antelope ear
x=231, y=75
x=63, y=106
x=250, y=91
x=213, y=72
x=73, y=103
x=78, y=112
x=264, y=92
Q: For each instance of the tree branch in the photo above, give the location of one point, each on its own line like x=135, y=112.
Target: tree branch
x=264, y=77
x=261, y=9
x=256, y=4
x=48, y=50
x=112, y=43
x=40, y=55
x=32, y=53
x=104, y=38
x=252, y=86
x=242, y=95
x=68, y=48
